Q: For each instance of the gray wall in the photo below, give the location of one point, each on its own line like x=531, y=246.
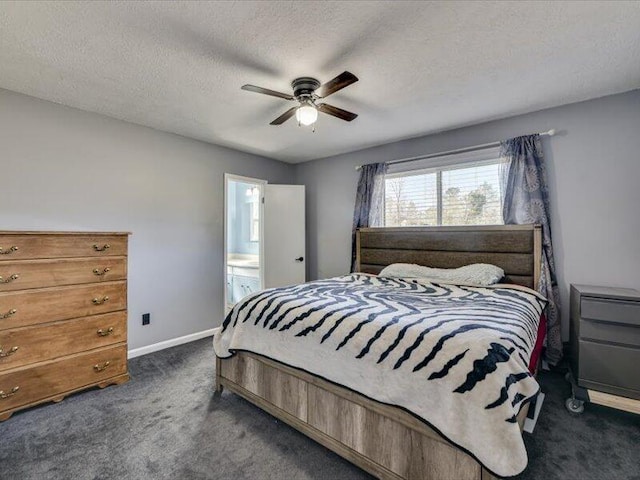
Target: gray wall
x=65, y=169
x=594, y=174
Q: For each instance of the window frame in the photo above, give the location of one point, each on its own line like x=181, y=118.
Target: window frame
x=443, y=164
x=254, y=215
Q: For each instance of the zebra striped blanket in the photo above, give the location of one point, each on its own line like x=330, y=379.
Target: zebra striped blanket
x=454, y=356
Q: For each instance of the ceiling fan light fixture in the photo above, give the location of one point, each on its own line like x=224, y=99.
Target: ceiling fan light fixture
x=306, y=115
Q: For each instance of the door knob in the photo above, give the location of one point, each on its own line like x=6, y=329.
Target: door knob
x=299, y=259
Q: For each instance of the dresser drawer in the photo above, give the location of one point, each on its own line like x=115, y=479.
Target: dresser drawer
x=612, y=365
x=50, y=273
x=23, y=346
x=610, y=310
x=23, y=247
x=609, y=332
x=45, y=380
x=30, y=307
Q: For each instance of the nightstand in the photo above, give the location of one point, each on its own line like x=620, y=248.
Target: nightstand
x=605, y=347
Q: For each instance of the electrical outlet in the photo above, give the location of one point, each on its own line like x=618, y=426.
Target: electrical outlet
x=146, y=318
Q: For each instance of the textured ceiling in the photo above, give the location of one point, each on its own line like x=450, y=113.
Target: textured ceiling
x=423, y=66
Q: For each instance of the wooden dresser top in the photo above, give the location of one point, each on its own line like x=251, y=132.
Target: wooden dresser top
x=32, y=232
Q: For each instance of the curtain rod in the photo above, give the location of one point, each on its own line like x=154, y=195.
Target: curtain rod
x=548, y=133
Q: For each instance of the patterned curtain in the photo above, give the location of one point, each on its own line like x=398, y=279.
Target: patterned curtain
x=369, y=202
x=526, y=200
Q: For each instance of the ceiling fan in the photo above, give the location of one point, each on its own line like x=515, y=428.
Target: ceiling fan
x=307, y=91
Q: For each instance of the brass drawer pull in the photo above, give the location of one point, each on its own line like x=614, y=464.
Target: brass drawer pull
x=8, y=252
x=97, y=301
x=10, y=313
x=101, y=272
x=100, y=368
x=13, y=277
x=9, y=353
x=13, y=391
x=104, y=333
x=98, y=248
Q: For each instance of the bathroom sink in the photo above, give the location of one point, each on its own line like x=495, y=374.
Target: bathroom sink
x=245, y=263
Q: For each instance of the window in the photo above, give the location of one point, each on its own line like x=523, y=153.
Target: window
x=467, y=193
x=254, y=230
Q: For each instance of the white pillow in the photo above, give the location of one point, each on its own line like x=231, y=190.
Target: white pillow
x=475, y=274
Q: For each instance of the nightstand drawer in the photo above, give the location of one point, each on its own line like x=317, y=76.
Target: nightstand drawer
x=609, y=332
x=612, y=365
x=617, y=311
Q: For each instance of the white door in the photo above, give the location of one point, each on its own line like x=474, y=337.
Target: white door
x=284, y=235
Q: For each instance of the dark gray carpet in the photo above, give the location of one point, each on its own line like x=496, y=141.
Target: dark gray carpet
x=165, y=423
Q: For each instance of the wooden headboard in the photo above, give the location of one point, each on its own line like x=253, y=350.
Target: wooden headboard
x=516, y=249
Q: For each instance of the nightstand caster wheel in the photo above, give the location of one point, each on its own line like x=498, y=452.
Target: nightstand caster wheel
x=574, y=405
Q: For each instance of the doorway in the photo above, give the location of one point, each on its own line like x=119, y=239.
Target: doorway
x=264, y=237
x=243, y=253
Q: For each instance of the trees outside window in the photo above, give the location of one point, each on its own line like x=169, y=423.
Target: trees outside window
x=459, y=195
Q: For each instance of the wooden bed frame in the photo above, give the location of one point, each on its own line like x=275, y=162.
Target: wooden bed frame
x=384, y=440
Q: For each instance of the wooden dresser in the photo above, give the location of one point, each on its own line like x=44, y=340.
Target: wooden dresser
x=63, y=315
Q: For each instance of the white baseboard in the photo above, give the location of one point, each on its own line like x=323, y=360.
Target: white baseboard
x=137, y=352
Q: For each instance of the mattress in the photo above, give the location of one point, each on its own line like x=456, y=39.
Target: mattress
x=456, y=357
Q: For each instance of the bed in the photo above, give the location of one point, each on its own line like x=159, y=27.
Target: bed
x=383, y=437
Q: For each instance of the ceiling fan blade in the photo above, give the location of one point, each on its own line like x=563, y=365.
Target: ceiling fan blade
x=266, y=91
x=285, y=116
x=343, y=80
x=336, y=112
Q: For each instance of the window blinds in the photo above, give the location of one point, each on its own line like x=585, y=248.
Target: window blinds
x=466, y=193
